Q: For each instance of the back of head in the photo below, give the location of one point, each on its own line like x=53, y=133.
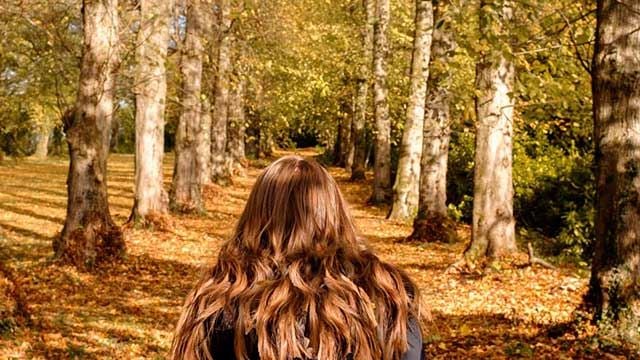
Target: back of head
x=295, y=274
x=294, y=209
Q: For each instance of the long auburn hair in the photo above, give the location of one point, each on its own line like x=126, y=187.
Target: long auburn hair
x=296, y=274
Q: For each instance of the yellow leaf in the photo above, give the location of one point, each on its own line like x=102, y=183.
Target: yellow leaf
x=465, y=330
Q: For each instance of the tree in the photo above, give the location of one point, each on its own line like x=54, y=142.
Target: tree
x=42, y=146
x=40, y=62
x=432, y=207
x=343, y=149
x=186, y=191
x=405, y=189
x=204, y=143
x=219, y=170
x=151, y=91
x=358, y=136
x=382, y=166
x=237, y=127
x=615, y=277
x=349, y=153
x=493, y=229
x=89, y=234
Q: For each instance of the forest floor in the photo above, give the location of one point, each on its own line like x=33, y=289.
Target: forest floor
x=128, y=310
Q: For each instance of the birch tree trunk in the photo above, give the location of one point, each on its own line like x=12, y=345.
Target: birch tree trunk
x=358, y=136
x=219, y=171
x=89, y=234
x=615, y=278
x=203, y=139
x=346, y=148
x=405, y=189
x=186, y=191
x=382, y=165
x=151, y=88
x=349, y=152
x=431, y=223
x=493, y=232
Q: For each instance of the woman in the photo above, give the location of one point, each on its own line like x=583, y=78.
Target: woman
x=295, y=282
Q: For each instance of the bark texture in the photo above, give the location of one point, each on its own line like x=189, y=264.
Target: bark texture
x=405, y=189
x=89, y=234
x=203, y=138
x=350, y=151
x=186, y=190
x=615, y=279
x=359, y=137
x=493, y=232
x=151, y=90
x=382, y=165
x=219, y=171
x=432, y=207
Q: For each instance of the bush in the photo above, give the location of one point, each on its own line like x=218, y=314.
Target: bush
x=554, y=191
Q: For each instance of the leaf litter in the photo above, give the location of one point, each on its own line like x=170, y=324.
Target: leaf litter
x=128, y=309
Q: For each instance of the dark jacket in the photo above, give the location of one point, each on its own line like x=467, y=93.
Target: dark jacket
x=221, y=343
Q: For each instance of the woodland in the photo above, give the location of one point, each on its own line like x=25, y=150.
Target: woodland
x=489, y=148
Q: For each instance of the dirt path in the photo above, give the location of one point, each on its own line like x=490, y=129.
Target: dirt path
x=128, y=310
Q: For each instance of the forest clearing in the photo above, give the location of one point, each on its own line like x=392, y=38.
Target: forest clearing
x=129, y=309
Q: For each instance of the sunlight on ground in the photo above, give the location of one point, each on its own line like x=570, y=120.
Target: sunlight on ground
x=128, y=310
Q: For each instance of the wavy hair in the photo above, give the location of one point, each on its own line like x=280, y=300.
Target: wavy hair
x=296, y=274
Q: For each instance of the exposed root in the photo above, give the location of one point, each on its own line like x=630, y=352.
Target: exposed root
x=536, y=260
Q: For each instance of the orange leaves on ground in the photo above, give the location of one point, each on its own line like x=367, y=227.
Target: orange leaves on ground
x=129, y=309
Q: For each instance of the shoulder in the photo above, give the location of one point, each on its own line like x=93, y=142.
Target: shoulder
x=414, y=341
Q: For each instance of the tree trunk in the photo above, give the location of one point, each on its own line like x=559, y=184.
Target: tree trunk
x=359, y=137
x=493, y=232
x=252, y=143
x=219, y=171
x=405, y=189
x=432, y=206
x=42, y=147
x=237, y=127
x=343, y=138
x=57, y=139
x=267, y=141
x=347, y=141
x=615, y=278
x=382, y=165
x=203, y=139
x=89, y=234
x=186, y=191
x=338, y=160
x=153, y=40
x=349, y=152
